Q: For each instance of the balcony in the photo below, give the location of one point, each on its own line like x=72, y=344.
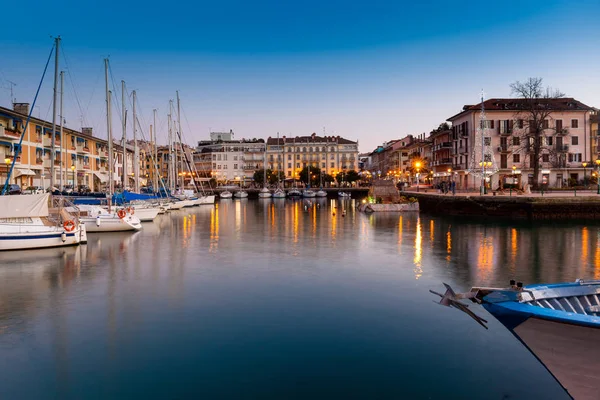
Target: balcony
x=503, y=149
x=48, y=141
x=82, y=149
x=442, y=146
x=6, y=133
x=564, y=148
x=11, y=158
x=505, y=132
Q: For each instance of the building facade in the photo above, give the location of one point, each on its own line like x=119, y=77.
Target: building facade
x=567, y=150
x=332, y=154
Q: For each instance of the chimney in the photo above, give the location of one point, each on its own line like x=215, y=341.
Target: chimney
x=87, y=131
x=22, y=108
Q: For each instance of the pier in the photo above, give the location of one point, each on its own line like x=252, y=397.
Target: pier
x=356, y=192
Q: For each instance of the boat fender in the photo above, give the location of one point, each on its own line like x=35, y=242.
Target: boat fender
x=130, y=210
x=98, y=220
x=69, y=226
x=63, y=237
x=121, y=213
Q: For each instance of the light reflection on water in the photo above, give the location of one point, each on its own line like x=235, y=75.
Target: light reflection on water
x=277, y=298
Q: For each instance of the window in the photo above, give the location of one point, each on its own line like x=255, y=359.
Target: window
x=323, y=165
x=297, y=156
x=219, y=166
x=575, y=140
x=235, y=166
x=545, y=124
x=297, y=165
x=225, y=166
x=487, y=141
x=289, y=156
x=574, y=123
x=310, y=149
x=289, y=165
x=546, y=157
x=304, y=149
x=214, y=157
x=214, y=165
x=289, y=173
x=487, y=157
x=506, y=126
x=332, y=165
x=516, y=158
x=332, y=157
x=224, y=157
x=559, y=125
x=487, y=124
x=520, y=123
x=235, y=158
x=304, y=165
x=219, y=157
x=516, y=140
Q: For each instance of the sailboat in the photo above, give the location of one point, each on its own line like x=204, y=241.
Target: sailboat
x=279, y=193
x=264, y=192
x=321, y=192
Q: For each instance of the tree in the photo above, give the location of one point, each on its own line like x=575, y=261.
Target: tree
x=272, y=176
x=259, y=176
x=328, y=178
x=315, y=174
x=532, y=122
x=352, y=176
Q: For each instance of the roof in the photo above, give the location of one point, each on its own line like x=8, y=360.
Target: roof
x=520, y=104
x=308, y=140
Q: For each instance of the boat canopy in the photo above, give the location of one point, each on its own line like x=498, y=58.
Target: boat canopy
x=30, y=205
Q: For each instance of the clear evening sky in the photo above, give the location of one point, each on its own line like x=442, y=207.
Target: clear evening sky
x=368, y=71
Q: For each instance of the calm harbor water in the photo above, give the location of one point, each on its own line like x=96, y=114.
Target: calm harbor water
x=271, y=299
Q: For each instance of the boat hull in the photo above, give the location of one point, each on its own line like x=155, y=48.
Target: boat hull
x=146, y=214
x=226, y=195
x=205, y=200
x=241, y=195
x=111, y=223
x=569, y=351
x=38, y=240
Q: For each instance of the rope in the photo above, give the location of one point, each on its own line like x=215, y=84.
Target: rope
x=17, y=150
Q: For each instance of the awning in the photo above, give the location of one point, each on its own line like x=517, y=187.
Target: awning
x=102, y=176
x=24, y=172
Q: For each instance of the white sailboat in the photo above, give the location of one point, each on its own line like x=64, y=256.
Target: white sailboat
x=26, y=223
x=226, y=194
x=279, y=193
x=321, y=192
x=308, y=193
x=264, y=192
x=97, y=219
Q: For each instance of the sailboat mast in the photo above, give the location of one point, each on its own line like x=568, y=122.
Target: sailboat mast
x=53, y=139
x=136, y=150
x=154, y=153
x=111, y=186
x=171, y=160
x=124, y=138
x=62, y=120
x=182, y=180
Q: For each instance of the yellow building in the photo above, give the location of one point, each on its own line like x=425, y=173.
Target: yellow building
x=80, y=159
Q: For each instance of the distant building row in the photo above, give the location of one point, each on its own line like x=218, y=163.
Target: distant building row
x=568, y=151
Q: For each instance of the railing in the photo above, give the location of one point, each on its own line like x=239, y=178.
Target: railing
x=562, y=148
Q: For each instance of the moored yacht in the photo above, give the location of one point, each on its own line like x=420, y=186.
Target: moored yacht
x=226, y=194
x=26, y=223
x=279, y=193
x=97, y=219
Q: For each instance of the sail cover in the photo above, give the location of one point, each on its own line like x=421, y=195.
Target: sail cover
x=27, y=205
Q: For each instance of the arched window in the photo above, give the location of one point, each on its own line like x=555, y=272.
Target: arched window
x=310, y=150
x=304, y=149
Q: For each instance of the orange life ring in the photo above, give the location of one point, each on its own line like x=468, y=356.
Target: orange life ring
x=131, y=210
x=121, y=213
x=69, y=226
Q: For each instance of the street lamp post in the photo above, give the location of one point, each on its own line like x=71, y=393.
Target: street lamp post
x=7, y=161
x=484, y=165
x=418, y=168
x=73, y=169
x=584, y=164
x=514, y=168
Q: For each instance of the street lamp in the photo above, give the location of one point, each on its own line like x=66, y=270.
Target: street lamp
x=418, y=168
x=514, y=168
x=484, y=165
x=598, y=175
x=73, y=169
x=7, y=160
x=584, y=164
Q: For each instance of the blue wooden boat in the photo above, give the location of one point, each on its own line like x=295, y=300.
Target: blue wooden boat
x=559, y=323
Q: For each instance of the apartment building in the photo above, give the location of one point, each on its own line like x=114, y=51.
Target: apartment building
x=229, y=160
x=80, y=159
x=332, y=154
x=567, y=148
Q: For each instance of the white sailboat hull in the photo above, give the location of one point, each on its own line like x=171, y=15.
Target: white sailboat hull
x=226, y=195
x=241, y=195
x=146, y=214
x=50, y=237
x=111, y=223
x=321, y=193
x=308, y=193
x=203, y=200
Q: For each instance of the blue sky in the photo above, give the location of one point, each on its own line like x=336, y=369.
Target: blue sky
x=366, y=71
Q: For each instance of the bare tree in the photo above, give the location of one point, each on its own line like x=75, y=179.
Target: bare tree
x=532, y=118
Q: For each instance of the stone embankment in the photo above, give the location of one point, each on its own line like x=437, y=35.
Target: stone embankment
x=585, y=205
x=368, y=208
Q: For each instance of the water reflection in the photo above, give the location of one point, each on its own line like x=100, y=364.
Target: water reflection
x=199, y=275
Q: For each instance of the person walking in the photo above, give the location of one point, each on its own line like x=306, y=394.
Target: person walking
x=453, y=187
